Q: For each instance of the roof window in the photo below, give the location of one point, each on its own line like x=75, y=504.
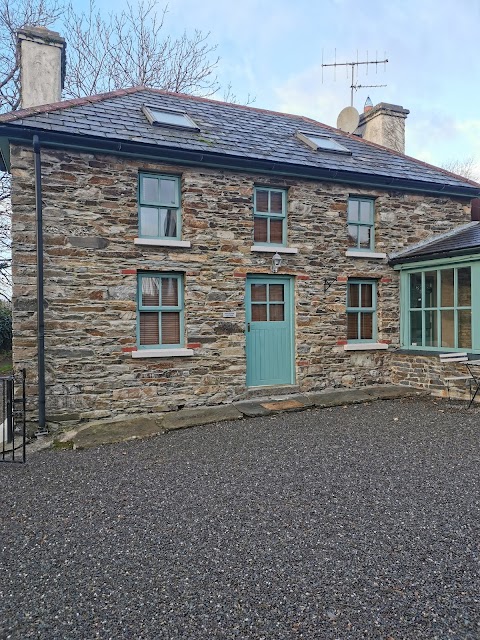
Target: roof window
x=316, y=141
x=169, y=118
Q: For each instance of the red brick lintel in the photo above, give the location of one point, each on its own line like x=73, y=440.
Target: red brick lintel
x=129, y=349
x=129, y=272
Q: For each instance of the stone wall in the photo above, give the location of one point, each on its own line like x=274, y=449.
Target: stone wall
x=90, y=222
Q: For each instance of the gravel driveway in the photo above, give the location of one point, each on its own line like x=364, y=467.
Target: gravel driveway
x=352, y=522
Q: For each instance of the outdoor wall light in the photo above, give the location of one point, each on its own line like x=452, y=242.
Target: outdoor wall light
x=276, y=262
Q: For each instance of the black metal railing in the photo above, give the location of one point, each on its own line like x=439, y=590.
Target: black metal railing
x=13, y=427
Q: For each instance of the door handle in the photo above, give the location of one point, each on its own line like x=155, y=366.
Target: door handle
x=248, y=327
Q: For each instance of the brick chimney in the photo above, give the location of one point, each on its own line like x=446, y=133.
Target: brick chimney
x=384, y=124
x=42, y=66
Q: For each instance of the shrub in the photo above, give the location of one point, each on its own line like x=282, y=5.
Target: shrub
x=5, y=328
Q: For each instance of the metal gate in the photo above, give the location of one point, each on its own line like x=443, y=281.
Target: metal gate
x=13, y=431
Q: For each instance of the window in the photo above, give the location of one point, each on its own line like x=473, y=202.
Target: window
x=169, y=118
x=270, y=217
x=317, y=141
x=159, y=206
x=360, y=219
x=160, y=310
x=439, y=312
x=361, y=311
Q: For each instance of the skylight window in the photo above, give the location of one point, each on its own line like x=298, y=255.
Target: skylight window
x=169, y=118
x=323, y=143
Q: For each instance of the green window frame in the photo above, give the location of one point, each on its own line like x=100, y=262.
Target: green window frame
x=361, y=310
x=270, y=217
x=160, y=310
x=159, y=211
x=361, y=223
x=440, y=307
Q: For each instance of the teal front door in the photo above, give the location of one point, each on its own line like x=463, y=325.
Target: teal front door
x=269, y=331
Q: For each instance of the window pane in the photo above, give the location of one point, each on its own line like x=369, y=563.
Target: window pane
x=259, y=312
x=352, y=326
x=150, y=297
x=353, y=295
x=367, y=295
x=416, y=328
x=169, y=292
x=276, y=293
x=366, y=326
x=149, y=327
x=464, y=287
x=415, y=290
x=260, y=230
x=168, y=223
x=465, y=329
x=259, y=292
x=430, y=289
x=261, y=201
x=366, y=210
x=447, y=289
x=149, y=221
x=448, y=328
x=168, y=192
x=276, y=201
x=352, y=235
x=431, y=332
x=150, y=192
x=353, y=210
x=277, y=313
x=276, y=231
x=364, y=237
x=170, y=327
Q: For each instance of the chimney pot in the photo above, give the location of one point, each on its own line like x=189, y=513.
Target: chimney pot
x=368, y=105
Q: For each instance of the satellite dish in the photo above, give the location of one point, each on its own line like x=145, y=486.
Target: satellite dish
x=348, y=119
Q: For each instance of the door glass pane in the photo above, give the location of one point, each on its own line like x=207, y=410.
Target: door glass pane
x=261, y=201
x=170, y=327
x=366, y=212
x=149, y=327
x=150, y=191
x=168, y=223
x=168, y=193
x=447, y=288
x=352, y=235
x=149, y=221
x=276, y=201
x=276, y=231
x=352, y=326
x=366, y=326
x=416, y=328
x=277, y=313
x=259, y=292
x=150, y=297
x=259, y=312
x=367, y=295
x=415, y=290
x=260, y=230
x=431, y=329
x=276, y=293
x=465, y=329
x=353, y=295
x=448, y=328
x=464, y=287
x=364, y=237
x=353, y=210
x=430, y=289
x=169, y=292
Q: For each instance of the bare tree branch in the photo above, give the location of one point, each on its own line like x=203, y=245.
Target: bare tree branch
x=466, y=168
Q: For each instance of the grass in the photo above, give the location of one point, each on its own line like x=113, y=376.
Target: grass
x=6, y=365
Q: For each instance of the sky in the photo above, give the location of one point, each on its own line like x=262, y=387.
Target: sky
x=272, y=50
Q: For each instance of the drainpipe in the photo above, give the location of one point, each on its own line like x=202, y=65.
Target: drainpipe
x=42, y=429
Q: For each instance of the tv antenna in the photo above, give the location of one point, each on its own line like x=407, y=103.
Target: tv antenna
x=354, y=67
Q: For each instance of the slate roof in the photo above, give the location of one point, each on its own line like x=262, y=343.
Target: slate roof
x=462, y=241
x=227, y=129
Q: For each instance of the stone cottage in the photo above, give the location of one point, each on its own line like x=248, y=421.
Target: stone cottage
x=197, y=252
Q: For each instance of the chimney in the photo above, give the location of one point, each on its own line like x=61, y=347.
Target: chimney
x=42, y=66
x=384, y=124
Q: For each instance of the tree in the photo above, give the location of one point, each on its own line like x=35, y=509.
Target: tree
x=466, y=168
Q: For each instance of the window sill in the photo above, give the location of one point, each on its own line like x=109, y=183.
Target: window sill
x=365, y=346
x=365, y=254
x=266, y=249
x=158, y=242
x=162, y=353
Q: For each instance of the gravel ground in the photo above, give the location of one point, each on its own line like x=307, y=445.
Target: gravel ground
x=353, y=522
